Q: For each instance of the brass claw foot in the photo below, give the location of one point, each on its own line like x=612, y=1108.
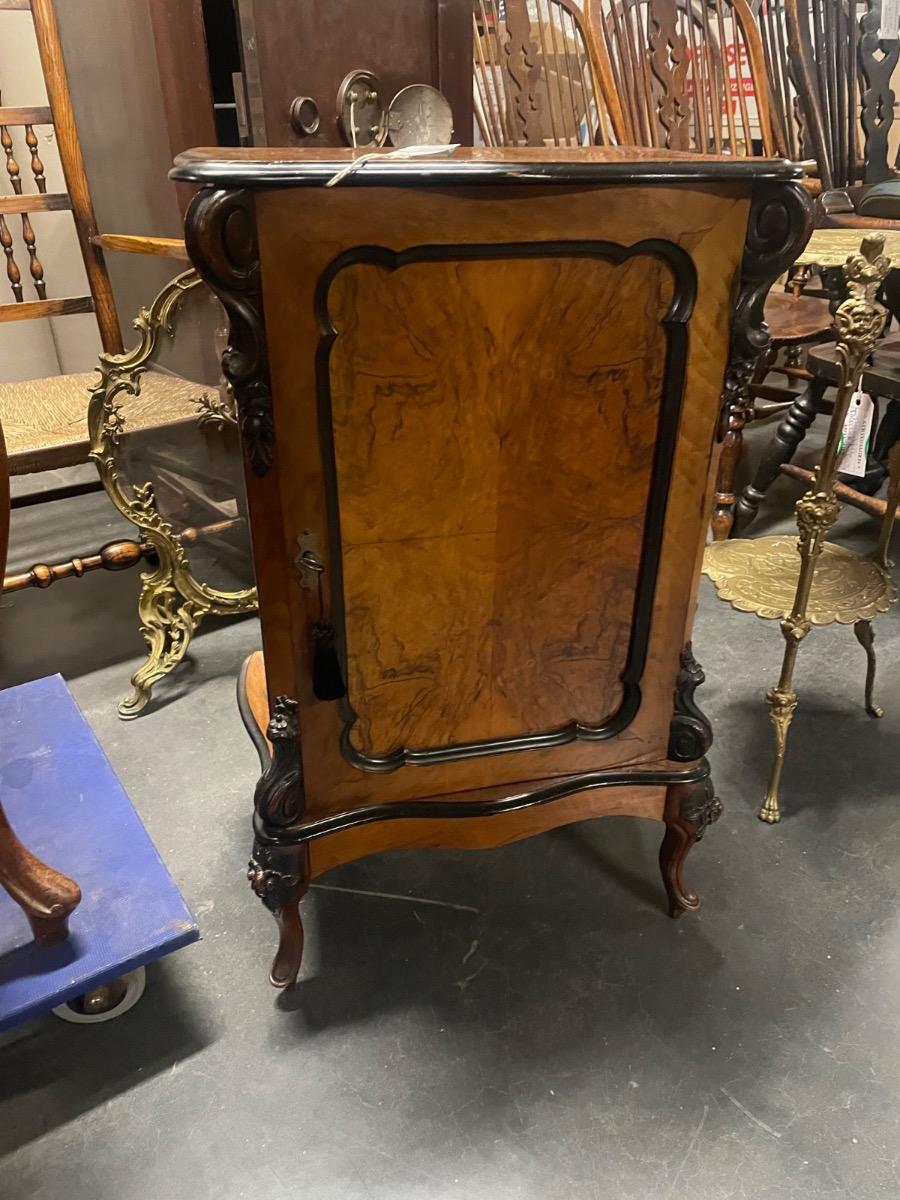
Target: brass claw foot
x=690, y=808
x=770, y=812
x=782, y=702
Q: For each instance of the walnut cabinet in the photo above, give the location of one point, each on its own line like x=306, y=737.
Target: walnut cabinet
x=480, y=397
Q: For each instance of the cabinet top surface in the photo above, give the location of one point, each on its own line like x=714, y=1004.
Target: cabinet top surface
x=276, y=167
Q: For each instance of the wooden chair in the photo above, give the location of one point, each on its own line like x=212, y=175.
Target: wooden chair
x=68, y=419
x=47, y=897
x=840, y=69
x=680, y=69
x=537, y=77
x=671, y=68
x=46, y=419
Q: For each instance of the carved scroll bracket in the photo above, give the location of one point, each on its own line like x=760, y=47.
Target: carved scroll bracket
x=278, y=799
x=220, y=233
x=690, y=733
x=779, y=227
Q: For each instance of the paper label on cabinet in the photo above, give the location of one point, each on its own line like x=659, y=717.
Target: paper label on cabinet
x=890, y=21
x=853, y=447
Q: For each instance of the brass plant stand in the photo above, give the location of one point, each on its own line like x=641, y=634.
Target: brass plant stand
x=805, y=581
x=172, y=602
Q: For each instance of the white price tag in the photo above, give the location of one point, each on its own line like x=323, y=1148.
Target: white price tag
x=890, y=20
x=853, y=447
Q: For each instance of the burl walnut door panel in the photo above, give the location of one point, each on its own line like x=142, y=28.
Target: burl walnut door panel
x=494, y=412
x=491, y=463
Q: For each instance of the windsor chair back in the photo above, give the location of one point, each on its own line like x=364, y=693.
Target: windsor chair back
x=783, y=109
x=538, y=79
x=828, y=52
x=691, y=74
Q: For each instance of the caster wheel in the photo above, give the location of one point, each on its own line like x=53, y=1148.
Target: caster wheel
x=106, y=1002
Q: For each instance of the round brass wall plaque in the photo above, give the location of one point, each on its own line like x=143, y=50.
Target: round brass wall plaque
x=420, y=116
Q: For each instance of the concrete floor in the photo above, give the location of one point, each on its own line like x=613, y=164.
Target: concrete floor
x=520, y=1024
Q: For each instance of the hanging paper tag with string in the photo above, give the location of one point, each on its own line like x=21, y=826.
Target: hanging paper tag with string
x=890, y=21
x=853, y=448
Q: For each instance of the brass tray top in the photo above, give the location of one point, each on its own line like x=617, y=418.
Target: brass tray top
x=760, y=575
x=832, y=247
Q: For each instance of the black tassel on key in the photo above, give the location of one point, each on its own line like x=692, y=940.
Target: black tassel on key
x=327, y=681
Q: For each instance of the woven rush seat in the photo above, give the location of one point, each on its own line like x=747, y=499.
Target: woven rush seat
x=45, y=420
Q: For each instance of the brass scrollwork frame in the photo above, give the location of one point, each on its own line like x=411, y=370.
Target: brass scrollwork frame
x=172, y=602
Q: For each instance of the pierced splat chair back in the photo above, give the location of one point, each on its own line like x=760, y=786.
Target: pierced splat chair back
x=841, y=67
x=536, y=77
x=690, y=74
x=19, y=201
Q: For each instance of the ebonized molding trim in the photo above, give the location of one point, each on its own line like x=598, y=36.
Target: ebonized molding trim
x=319, y=827
x=675, y=326
x=212, y=167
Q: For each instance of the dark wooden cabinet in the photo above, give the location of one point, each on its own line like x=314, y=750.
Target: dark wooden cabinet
x=479, y=399
x=293, y=50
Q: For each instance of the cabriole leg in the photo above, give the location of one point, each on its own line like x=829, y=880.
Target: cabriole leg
x=47, y=897
x=865, y=635
x=279, y=875
x=690, y=808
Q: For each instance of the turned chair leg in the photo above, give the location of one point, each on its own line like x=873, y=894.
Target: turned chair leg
x=47, y=897
x=729, y=461
x=865, y=635
x=791, y=431
x=690, y=808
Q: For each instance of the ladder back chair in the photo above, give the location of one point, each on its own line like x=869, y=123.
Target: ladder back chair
x=164, y=445
x=76, y=198
x=46, y=419
x=537, y=78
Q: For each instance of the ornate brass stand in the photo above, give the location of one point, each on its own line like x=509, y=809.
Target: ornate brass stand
x=172, y=602
x=827, y=583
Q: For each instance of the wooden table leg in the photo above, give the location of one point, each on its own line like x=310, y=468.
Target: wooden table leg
x=47, y=897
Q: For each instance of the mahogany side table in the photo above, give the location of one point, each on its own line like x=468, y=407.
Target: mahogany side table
x=479, y=397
